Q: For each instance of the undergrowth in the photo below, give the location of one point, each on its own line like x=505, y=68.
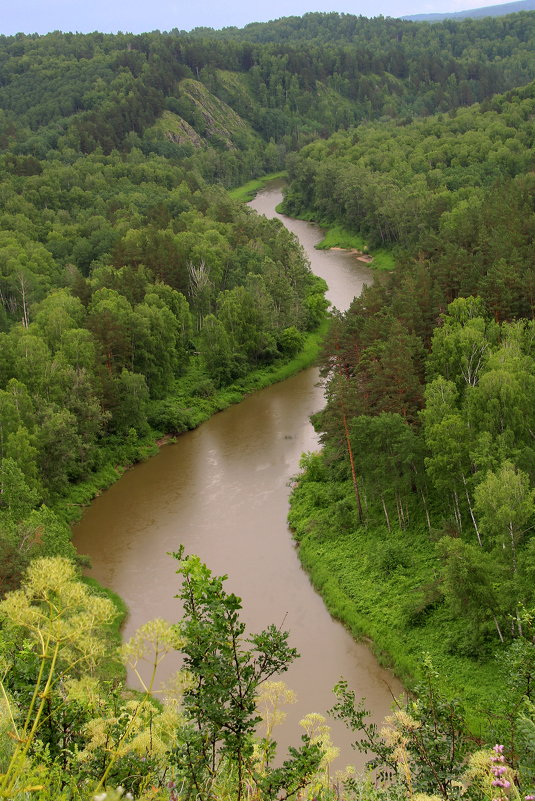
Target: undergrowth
x=383, y=586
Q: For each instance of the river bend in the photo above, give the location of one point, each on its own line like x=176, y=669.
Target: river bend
x=222, y=492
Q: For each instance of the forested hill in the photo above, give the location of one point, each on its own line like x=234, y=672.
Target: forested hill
x=428, y=454
x=475, y=13
x=407, y=183
x=338, y=28
x=286, y=80
x=137, y=298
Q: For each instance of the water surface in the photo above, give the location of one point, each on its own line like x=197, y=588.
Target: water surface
x=222, y=491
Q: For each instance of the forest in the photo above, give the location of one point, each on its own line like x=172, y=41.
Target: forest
x=427, y=435
x=137, y=298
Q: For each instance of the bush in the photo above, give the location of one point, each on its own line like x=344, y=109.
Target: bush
x=169, y=417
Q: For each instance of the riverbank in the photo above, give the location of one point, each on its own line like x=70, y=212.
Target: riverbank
x=248, y=191
x=335, y=237
x=194, y=403
x=382, y=586
x=221, y=491
x=71, y=507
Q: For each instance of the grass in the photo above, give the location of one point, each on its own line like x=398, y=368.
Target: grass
x=338, y=237
x=247, y=191
x=116, y=461
x=379, y=584
x=383, y=260
x=202, y=408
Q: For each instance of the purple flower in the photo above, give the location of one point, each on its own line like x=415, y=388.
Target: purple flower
x=498, y=749
x=501, y=783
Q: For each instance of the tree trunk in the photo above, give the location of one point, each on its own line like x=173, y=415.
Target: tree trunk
x=498, y=629
x=386, y=514
x=474, y=521
x=352, y=463
x=457, y=511
x=426, y=511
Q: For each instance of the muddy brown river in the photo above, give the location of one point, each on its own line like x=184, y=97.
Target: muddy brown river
x=222, y=491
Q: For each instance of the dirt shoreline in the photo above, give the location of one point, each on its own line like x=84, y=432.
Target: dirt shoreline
x=358, y=254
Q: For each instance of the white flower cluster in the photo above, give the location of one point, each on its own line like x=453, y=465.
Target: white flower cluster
x=114, y=795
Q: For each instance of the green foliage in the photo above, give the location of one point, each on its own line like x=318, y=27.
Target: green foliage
x=61, y=626
x=455, y=384
x=338, y=237
x=424, y=745
x=408, y=184
x=133, y=296
x=249, y=190
x=71, y=730
x=136, y=258
x=224, y=672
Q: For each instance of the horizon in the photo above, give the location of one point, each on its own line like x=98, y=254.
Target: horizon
x=30, y=17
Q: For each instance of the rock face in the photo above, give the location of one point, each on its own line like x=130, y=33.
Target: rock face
x=179, y=131
x=200, y=118
x=220, y=120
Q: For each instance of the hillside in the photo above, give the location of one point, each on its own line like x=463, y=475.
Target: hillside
x=427, y=454
x=476, y=13
x=137, y=298
x=288, y=81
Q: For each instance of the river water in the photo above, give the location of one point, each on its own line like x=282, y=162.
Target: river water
x=222, y=492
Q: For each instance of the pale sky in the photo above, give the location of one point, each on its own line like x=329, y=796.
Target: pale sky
x=138, y=16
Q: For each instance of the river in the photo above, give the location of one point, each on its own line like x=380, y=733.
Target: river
x=222, y=492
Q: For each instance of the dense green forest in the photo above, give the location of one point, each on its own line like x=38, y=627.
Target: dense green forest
x=417, y=517
x=137, y=298
x=131, y=292
x=286, y=80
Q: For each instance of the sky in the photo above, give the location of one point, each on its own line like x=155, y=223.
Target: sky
x=138, y=16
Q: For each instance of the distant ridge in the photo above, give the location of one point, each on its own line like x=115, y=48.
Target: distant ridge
x=486, y=11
